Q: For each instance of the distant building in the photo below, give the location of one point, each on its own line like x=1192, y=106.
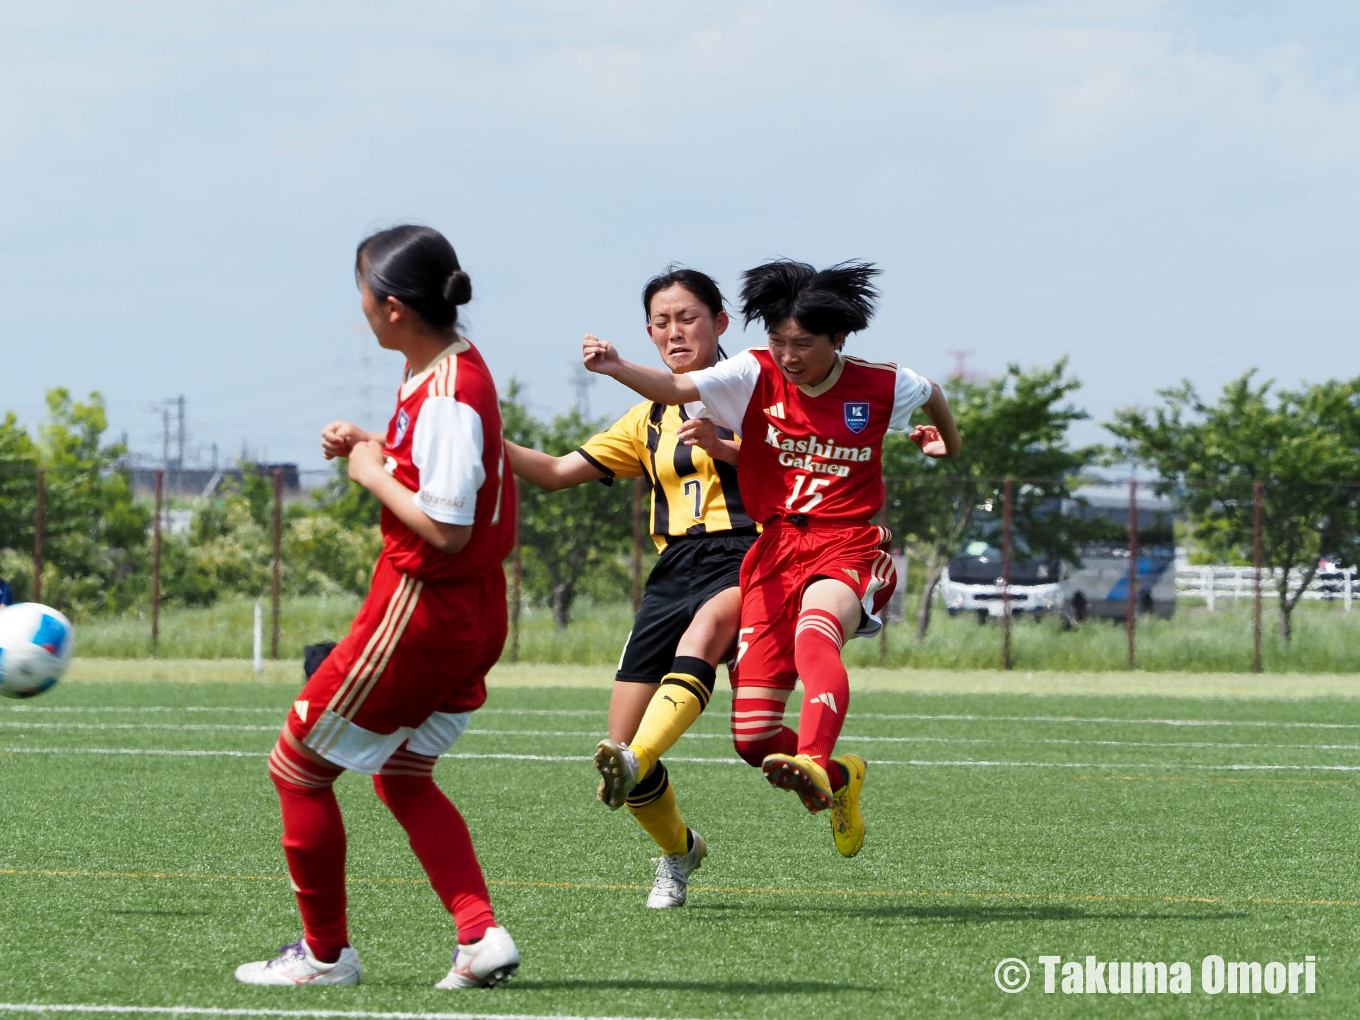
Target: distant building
x=203, y=482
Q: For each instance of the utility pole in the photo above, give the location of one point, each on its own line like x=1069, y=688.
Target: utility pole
x=582, y=379
x=961, y=369
x=179, y=461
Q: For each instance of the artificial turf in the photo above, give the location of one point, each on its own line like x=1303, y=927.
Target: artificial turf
x=1150, y=828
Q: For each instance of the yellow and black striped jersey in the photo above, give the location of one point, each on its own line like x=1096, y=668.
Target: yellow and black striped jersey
x=692, y=494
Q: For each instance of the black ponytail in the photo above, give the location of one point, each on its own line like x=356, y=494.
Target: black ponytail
x=701, y=285
x=417, y=266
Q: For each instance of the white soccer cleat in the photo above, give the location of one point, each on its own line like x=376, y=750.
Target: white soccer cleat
x=492, y=960
x=295, y=965
x=618, y=768
x=671, y=887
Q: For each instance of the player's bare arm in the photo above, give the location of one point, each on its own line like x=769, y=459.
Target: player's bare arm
x=701, y=432
x=601, y=357
x=549, y=472
x=366, y=468
x=339, y=437
x=940, y=438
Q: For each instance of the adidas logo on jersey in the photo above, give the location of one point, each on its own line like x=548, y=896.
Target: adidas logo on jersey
x=776, y=411
x=829, y=700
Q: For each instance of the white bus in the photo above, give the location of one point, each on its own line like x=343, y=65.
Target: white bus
x=1097, y=585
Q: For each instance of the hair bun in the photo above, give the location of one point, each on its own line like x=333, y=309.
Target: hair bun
x=458, y=288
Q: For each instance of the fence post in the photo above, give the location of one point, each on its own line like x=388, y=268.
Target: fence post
x=1210, y=582
x=156, y=564
x=1006, y=573
x=1133, y=571
x=883, y=630
x=39, y=511
x=1349, y=590
x=1256, y=558
x=516, y=581
x=278, y=542
x=637, y=545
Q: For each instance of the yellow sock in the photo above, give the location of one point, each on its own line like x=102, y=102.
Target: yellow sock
x=682, y=696
x=652, y=803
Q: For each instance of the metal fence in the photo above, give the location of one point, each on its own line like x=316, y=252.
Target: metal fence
x=48, y=519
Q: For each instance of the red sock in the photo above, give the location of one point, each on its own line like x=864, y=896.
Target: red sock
x=758, y=727
x=314, y=843
x=826, y=688
x=440, y=839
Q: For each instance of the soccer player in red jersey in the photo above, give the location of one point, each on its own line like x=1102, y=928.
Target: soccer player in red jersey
x=812, y=421
x=399, y=689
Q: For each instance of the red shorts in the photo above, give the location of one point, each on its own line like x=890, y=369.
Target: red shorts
x=783, y=562
x=412, y=667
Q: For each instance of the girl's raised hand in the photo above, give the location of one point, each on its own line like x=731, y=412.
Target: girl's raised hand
x=927, y=437
x=599, y=355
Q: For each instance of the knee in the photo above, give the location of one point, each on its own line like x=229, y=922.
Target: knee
x=752, y=752
x=403, y=775
x=294, y=772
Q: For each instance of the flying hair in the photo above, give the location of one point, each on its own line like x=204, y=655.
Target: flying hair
x=839, y=299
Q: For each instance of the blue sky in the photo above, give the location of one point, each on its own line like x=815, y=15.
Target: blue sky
x=1156, y=189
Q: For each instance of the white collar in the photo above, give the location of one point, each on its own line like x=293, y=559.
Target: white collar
x=412, y=382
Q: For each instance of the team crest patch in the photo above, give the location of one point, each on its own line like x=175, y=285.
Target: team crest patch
x=403, y=423
x=856, y=415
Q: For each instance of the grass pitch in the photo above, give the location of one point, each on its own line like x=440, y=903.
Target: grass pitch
x=139, y=856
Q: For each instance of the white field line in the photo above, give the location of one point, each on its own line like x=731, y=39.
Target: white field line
x=581, y=759
x=41, y=1007
x=599, y=713
x=592, y=734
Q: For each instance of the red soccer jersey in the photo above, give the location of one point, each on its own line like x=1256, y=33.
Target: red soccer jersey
x=815, y=450
x=445, y=444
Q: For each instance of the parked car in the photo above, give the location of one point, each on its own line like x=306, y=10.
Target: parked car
x=972, y=583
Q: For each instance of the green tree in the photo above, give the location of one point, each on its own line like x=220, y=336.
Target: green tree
x=333, y=543
x=18, y=484
x=347, y=503
x=1013, y=426
x=94, y=531
x=1303, y=445
x=574, y=533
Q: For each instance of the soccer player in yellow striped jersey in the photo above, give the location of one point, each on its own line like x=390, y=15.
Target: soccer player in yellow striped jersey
x=687, y=622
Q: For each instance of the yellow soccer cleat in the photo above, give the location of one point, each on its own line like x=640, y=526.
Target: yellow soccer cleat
x=847, y=824
x=802, y=775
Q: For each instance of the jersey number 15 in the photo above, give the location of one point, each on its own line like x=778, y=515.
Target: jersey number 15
x=811, y=494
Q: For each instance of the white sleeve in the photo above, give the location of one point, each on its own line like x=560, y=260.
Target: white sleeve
x=447, y=451
x=726, y=389
x=912, y=392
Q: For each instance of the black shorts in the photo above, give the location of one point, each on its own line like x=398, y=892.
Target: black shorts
x=689, y=573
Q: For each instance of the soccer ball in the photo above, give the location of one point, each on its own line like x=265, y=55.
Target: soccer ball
x=35, y=648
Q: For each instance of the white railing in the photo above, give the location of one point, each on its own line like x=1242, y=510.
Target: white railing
x=1213, y=583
